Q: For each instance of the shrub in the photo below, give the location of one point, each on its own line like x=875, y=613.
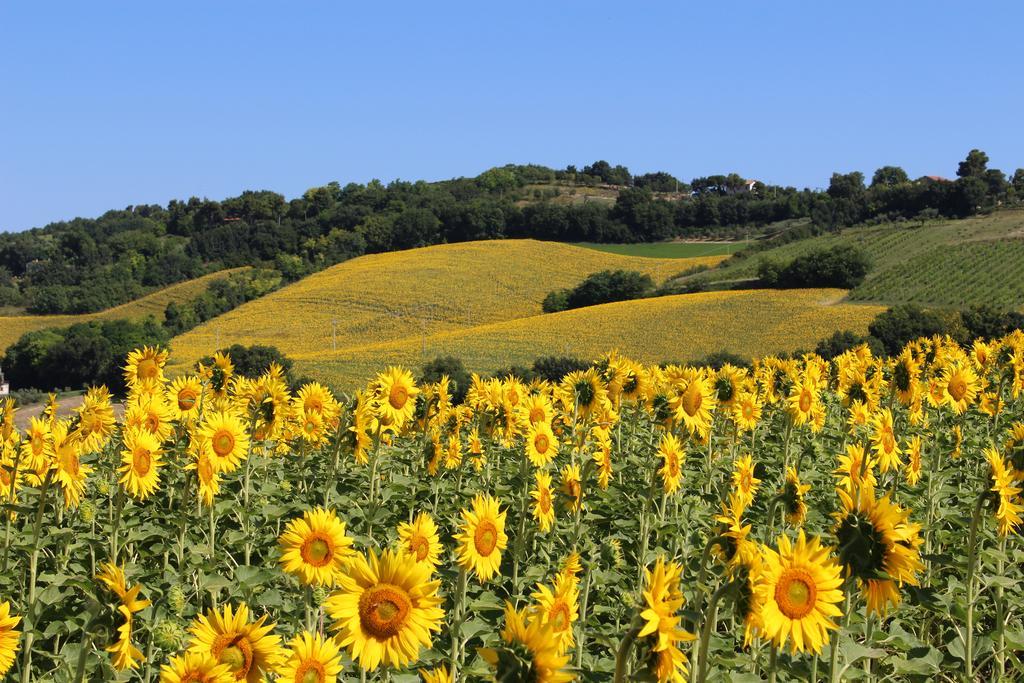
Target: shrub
x=556, y=301
x=901, y=324
x=456, y=371
x=841, y=266
x=554, y=368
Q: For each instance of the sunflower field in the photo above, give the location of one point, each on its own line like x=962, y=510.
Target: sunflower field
x=802, y=519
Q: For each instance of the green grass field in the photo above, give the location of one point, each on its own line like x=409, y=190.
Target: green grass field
x=668, y=249
x=942, y=263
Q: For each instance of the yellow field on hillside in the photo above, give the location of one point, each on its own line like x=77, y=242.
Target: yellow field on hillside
x=385, y=297
x=681, y=328
x=12, y=327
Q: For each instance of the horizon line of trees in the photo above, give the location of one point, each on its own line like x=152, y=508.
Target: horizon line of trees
x=85, y=265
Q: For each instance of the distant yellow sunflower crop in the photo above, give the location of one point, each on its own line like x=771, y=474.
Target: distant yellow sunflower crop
x=228, y=439
x=799, y=588
x=420, y=540
x=315, y=548
x=541, y=444
x=482, y=537
x=385, y=610
x=8, y=637
x=141, y=461
x=249, y=648
x=311, y=659
x=543, y=505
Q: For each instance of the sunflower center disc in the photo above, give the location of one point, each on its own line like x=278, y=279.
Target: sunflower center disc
x=540, y=442
x=537, y=415
x=485, y=538
x=141, y=462
x=545, y=500
x=223, y=443
x=419, y=547
x=186, y=399
x=236, y=652
x=147, y=368
x=692, y=399
x=310, y=671
x=795, y=593
x=398, y=396
x=957, y=388
x=317, y=551
x=805, y=401
x=383, y=610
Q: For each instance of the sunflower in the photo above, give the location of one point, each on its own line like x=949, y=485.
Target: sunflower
x=394, y=394
x=151, y=413
x=248, y=647
x=71, y=471
x=856, y=469
x=878, y=545
x=145, y=367
x=482, y=537
x=602, y=455
x=746, y=411
x=744, y=479
x=185, y=398
x=860, y=416
x=793, y=498
x=8, y=637
x=314, y=397
x=536, y=408
x=559, y=607
x=312, y=659
x=582, y=392
x=532, y=653
x=884, y=442
x=799, y=588
x=96, y=421
x=228, y=439
x=804, y=401
x=439, y=674
x=961, y=385
x=662, y=601
x=543, y=508
x=693, y=399
x=37, y=448
x=541, y=444
x=1008, y=512
x=315, y=548
x=906, y=372
x=728, y=384
x=745, y=574
x=195, y=668
x=914, y=463
x=125, y=654
x=206, y=474
x=385, y=609
x=671, y=453
x=420, y=541
x=572, y=487
x=571, y=567
x=141, y=461
x=733, y=542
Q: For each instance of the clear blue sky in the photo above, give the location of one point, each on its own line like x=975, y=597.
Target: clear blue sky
x=107, y=104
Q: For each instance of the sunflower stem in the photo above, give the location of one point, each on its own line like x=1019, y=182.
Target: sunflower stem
x=83, y=656
x=972, y=561
x=33, y=563
x=622, y=654
x=457, y=618
x=711, y=616
x=8, y=514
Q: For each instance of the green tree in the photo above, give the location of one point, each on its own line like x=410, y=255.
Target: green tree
x=889, y=176
x=974, y=166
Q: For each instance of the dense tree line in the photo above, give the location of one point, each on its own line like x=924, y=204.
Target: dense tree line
x=89, y=264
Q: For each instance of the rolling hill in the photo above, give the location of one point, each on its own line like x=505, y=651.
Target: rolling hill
x=940, y=263
x=482, y=301
x=12, y=327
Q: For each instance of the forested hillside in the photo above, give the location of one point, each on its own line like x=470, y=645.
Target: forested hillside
x=86, y=265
